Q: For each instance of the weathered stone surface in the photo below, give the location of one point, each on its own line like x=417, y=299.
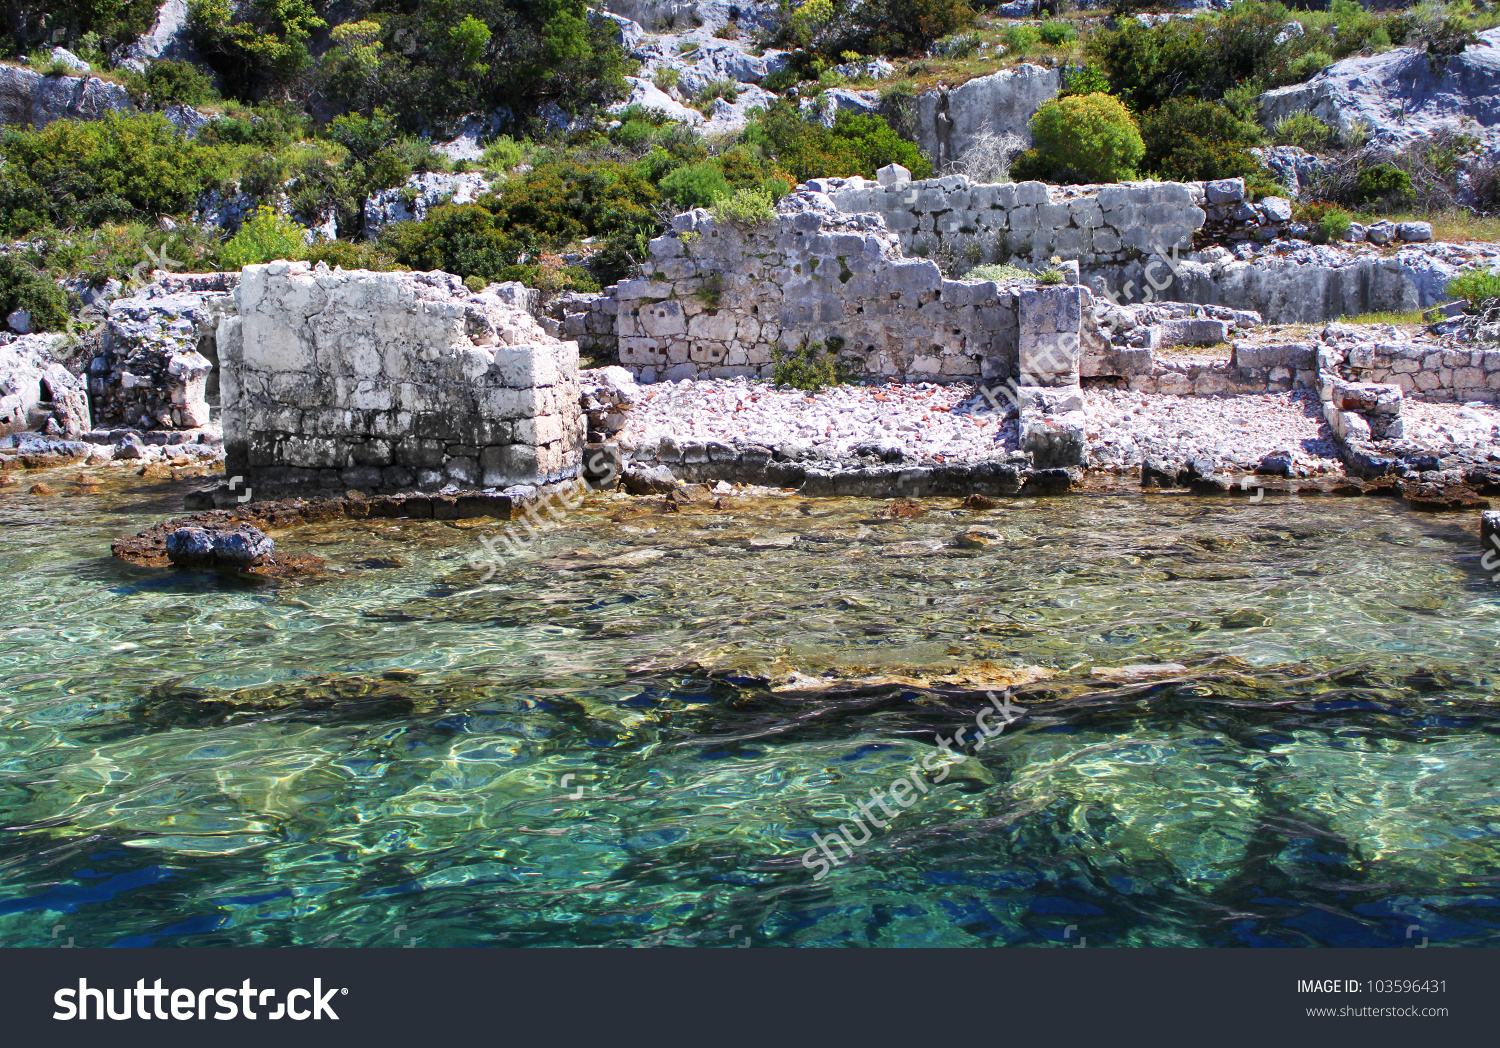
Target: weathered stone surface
x=241, y=547
x=28, y=97
x=37, y=393
x=340, y=378
x=949, y=122
x=1401, y=95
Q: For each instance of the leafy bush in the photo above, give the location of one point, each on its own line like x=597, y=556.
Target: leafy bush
x=811, y=366
x=1055, y=33
x=1083, y=138
x=505, y=153
x=1087, y=80
x=1475, y=285
x=857, y=144
x=23, y=287
x=461, y=238
x=258, y=46
x=1303, y=130
x=1442, y=30
x=748, y=207
x=167, y=83
x=665, y=78
x=1019, y=39
x=698, y=185
x=265, y=237
x=1310, y=63
x=998, y=273
x=1188, y=140
x=91, y=171
x=725, y=89
x=898, y=27
x=1382, y=182
x=1334, y=223
x=350, y=255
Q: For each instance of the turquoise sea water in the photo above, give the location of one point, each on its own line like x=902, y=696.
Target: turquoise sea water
x=631, y=735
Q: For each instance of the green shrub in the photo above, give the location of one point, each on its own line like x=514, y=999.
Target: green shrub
x=857, y=144
x=22, y=286
x=1087, y=80
x=711, y=291
x=1382, y=182
x=121, y=166
x=725, y=89
x=998, y=273
x=1442, y=30
x=504, y=153
x=899, y=27
x=1055, y=33
x=168, y=83
x=1086, y=138
x=1309, y=63
x=1334, y=223
x=779, y=81
x=1303, y=130
x=811, y=366
x=1019, y=39
x=1475, y=285
x=350, y=255
x=698, y=185
x=665, y=78
x=1187, y=140
x=462, y=239
x=747, y=207
x=265, y=237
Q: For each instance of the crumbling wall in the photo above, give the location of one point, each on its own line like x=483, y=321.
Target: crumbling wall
x=37, y=393
x=384, y=381
x=717, y=300
x=156, y=358
x=1428, y=371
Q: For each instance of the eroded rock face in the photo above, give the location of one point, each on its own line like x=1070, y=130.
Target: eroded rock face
x=28, y=97
x=420, y=194
x=156, y=358
x=387, y=381
x=37, y=393
x=1401, y=95
x=950, y=122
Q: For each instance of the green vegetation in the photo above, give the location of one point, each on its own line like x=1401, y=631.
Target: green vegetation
x=1189, y=139
x=1303, y=130
x=265, y=237
x=748, y=207
x=170, y=83
x=999, y=273
x=1476, y=286
x=1082, y=139
x=23, y=287
x=855, y=145
x=812, y=366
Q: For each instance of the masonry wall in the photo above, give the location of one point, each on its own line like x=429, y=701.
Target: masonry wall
x=718, y=300
x=1429, y=372
x=387, y=381
x=1030, y=222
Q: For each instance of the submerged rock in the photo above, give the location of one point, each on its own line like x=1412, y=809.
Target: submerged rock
x=242, y=547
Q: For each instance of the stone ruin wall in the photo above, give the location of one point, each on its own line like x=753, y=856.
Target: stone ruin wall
x=716, y=300
x=388, y=381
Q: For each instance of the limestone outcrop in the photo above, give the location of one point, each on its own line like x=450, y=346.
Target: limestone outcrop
x=28, y=97
x=385, y=381
x=950, y=122
x=1401, y=95
x=37, y=393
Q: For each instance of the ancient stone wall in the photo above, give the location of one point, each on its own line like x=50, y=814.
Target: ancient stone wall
x=155, y=362
x=717, y=300
x=1029, y=222
x=1427, y=371
x=37, y=393
x=384, y=381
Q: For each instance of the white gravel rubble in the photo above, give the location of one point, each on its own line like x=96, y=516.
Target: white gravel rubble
x=1126, y=427
x=1474, y=425
x=918, y=419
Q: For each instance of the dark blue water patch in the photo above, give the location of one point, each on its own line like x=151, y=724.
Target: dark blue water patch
x=1062, y=904
x=996, y=881
x=1338, y=930
x=1062, y=729
x=866, y=750
x=191, y=926
x=254, y=900
x=66, y=898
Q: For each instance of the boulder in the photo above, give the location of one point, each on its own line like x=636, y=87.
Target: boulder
x=37, y=392
x=420, y=194
x=170, y=37
x=1401, y=96
x=828, y=105
x=949, y=122
x=28, y=97
x=235, y=549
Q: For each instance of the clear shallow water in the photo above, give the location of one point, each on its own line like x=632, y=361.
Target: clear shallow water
x=192, y=761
